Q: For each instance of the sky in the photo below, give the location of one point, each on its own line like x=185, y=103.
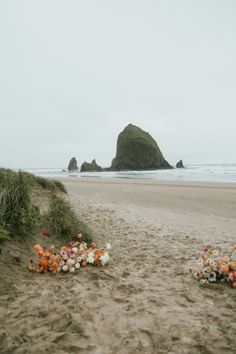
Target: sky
x=74, y=73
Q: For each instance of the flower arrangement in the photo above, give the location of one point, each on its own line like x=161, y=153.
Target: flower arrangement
x=214, y=266
x=68, y=258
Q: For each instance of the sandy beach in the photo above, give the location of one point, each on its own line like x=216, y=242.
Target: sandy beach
x=143, y=301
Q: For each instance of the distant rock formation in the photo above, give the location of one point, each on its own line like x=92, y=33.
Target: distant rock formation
x=90, y=167
x=137, y=150
x=180, y=164
x=73, y=165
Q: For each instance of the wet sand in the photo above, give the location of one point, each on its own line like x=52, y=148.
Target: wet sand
x=142, y=301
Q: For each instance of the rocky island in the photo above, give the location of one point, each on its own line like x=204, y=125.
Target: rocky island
x=73, y=165
x=180, y=164
x=90, y=167
x=137, y=150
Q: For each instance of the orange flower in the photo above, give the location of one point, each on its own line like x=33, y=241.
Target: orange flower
x=47, y=254
x=96, y=257
x=54, y=266
x=225, y=259
x=233, y=265
x=224, y=269
x=37, y=248
x=64, y=248
x=93, y=244
x=44, y=263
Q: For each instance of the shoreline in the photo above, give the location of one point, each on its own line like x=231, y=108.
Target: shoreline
x=143, y=181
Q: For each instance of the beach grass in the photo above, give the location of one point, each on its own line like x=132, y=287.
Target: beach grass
x=62, y=219
x=6, y=175
x=23, y=198
x=18, y=215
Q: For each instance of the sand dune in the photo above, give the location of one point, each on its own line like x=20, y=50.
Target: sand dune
x=143, y=301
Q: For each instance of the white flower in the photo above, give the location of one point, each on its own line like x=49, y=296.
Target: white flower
x=82, y=246
x=64, y=255
x=70, y=262
x=90, y=257
x=81, y=257
x=77, y=265
x=65, y=268
x=108, y=246
x=105, y=258
x=212, y=276
x=72, y=269
x=75, y=249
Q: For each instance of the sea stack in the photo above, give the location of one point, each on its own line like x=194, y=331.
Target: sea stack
x=180, y=164
x=73, y=165
x=137, y=150
x=90, y=167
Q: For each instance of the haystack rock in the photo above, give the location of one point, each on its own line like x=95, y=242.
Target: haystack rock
x=73, y=165
x=180, y=164
x=137, y=150
x=90, y=167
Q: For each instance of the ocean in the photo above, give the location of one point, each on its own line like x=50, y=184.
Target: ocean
x=194, y=172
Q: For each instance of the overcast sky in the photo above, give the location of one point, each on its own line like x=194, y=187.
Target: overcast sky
x=74, y=73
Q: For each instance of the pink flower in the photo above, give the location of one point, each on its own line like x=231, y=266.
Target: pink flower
x=65, y=268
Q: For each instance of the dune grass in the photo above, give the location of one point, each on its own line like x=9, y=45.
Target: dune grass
x=19, y=216
x=6, y=175
x=62, y=219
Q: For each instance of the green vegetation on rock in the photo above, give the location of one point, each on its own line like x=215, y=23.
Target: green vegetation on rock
x=137, y=150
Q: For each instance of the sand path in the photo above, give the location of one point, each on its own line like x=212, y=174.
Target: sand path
x=142, y=302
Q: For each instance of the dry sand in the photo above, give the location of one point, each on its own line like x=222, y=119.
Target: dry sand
x=142, y=301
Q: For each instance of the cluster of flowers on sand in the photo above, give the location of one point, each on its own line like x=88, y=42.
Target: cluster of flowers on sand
x=68, y=258
x=213, y=265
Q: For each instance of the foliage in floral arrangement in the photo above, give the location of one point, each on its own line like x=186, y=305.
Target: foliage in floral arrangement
x=68, y=258
x=215, y=266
